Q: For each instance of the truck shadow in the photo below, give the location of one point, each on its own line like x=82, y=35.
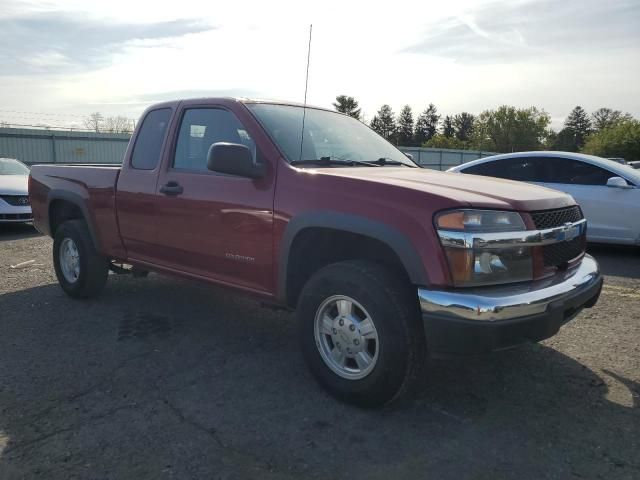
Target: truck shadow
x=161, y=377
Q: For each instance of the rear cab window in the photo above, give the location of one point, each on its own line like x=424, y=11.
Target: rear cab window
x=147, y=149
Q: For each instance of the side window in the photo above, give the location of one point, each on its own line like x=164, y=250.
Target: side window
x=201, y=128
x=579, y=173
x=146, y=151
x=522, y=169
x=486, y=169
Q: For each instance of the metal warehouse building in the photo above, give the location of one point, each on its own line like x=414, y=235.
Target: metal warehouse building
x=56, y=146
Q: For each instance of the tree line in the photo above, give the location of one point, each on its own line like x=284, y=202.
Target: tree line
x=98, y=123
x=605, y=132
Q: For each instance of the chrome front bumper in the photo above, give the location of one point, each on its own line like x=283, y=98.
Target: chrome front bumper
x=493, y=304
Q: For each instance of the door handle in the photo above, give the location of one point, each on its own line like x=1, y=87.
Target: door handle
x=171, y=188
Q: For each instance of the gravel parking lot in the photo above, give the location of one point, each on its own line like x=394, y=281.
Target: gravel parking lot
x=164, y=378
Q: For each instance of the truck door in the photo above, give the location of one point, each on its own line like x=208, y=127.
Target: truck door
x=135, y=192
x=214, y=225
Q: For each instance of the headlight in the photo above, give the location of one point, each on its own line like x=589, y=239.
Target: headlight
x=467, y=237
x=480, y=221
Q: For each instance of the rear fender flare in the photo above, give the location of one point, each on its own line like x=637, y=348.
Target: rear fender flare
x=79, y=202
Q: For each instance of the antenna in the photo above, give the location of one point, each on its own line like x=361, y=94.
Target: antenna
x=306, y=85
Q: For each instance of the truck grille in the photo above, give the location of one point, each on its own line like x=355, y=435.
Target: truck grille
x=556, y=218
x=559, y=254
x=16, y=200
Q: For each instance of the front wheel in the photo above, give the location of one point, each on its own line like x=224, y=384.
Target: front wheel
x=360, y=332
x=81, y=271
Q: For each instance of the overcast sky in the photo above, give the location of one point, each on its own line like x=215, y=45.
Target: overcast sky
x=60, y=60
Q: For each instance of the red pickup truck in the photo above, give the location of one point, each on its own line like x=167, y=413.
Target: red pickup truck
x=311, y=210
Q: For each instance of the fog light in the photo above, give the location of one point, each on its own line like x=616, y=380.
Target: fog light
x=488, y=263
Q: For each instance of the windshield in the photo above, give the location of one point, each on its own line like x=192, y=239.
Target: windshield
x=327, y=135
x=9, y=166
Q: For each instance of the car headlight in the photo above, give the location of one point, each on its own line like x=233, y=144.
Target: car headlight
x=481, y=247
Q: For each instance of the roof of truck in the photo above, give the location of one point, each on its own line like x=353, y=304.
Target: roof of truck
x=281, y=102
x=244, y=100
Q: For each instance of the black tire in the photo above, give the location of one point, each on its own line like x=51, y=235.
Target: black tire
x=393, y=307
x=94, y=268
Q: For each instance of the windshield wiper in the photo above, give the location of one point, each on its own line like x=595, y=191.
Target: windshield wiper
x=328, y=161
x=382, y=161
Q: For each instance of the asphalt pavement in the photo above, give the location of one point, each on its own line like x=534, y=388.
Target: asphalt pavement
x=165, y=378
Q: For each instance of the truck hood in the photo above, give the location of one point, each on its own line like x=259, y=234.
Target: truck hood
x=464, y=189
x=13, y=184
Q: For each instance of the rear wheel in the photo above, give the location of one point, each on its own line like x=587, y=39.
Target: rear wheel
x=81, y=271
x=360, y=332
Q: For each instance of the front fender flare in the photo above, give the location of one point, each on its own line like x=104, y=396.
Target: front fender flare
x=387, y=234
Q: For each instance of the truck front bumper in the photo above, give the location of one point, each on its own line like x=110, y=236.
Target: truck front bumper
x=462, y=321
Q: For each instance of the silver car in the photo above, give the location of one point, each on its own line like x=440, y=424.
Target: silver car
x=14, y=195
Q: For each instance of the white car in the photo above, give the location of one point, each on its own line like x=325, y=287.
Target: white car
x=14, y=195
x=619, y=160
x=608, y=192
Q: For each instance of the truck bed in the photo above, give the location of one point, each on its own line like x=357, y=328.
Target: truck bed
x=92, y=187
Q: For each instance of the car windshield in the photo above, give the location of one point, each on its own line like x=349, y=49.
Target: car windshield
x=335, y=138
x=8, y=166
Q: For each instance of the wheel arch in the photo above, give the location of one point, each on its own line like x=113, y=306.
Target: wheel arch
x=375, y=241
x=63, y=206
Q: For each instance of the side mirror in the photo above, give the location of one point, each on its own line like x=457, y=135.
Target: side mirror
x=617, y=182
x=409, y=156
x=233, y=159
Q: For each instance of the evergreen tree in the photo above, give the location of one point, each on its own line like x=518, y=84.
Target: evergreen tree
x=405, y=127
x=384, y=123
x=463, y=124
x=448, y=130
x=564, y=141
x=427, y=124
x=376, y=125
x=347, y=105
x=579, y=125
